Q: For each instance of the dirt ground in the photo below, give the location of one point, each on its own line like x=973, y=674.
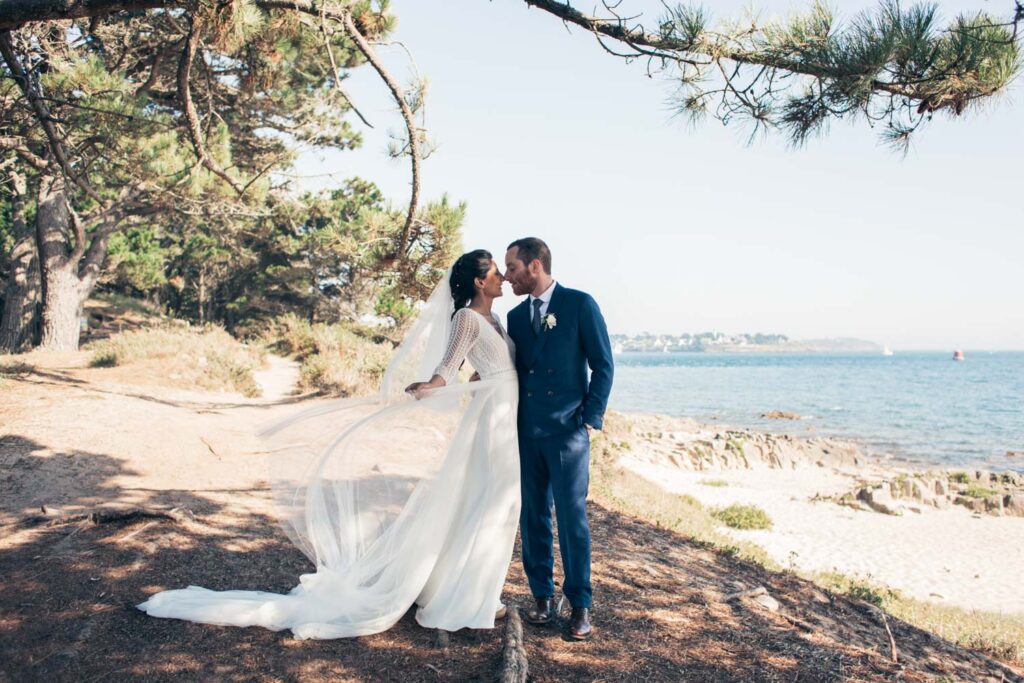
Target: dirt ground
x=75, y=439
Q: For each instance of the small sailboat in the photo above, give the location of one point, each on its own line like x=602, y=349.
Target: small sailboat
x=958, y=355
x=886, y=351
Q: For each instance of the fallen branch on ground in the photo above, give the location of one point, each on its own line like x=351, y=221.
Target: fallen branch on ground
x=179, y=515
x=514, y=666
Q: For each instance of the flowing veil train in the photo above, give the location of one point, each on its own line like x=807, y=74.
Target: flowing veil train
x=395, y=501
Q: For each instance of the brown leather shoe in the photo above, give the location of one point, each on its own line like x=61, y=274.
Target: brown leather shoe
x=579, y=624
x=543, y=613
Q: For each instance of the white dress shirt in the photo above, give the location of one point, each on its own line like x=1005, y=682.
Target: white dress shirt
x=545, y=299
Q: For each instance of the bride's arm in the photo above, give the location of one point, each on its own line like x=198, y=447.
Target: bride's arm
x=464, y=333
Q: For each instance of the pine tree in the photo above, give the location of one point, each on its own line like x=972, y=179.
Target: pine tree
x=194, y=114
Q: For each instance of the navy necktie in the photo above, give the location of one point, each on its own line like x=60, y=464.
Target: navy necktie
x=537, y=303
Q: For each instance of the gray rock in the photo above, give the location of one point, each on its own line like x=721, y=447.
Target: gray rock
x=880, y=500
x=1013, y=504
x=768, y=602
x=994, y=504
x=941, y=487
x=973, y=504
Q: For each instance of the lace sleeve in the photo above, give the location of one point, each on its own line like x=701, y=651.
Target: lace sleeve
x=465, y=331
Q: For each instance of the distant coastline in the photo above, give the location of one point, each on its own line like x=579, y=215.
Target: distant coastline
x=717, y=342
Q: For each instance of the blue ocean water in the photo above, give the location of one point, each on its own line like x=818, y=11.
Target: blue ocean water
x=917, y=406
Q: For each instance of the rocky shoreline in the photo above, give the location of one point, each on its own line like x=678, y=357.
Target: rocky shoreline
x=880, y=485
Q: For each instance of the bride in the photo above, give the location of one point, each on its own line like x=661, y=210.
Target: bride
x=397, y=502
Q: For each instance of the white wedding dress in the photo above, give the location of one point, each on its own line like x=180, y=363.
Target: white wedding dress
x=400, y=501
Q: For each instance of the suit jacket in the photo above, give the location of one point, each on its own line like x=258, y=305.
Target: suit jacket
x=555, y=393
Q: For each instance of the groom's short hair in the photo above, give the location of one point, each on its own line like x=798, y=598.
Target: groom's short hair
x=530, y=248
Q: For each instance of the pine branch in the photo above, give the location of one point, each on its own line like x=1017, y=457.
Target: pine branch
x=191, y=116
x=42, y=112
x=398, y=95
x=890, y=65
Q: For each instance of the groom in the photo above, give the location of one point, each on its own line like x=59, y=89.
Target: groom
x=558, y=333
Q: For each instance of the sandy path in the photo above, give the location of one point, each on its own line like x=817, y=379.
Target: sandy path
x=946, y=556
x=278, y=379
x=74, y=439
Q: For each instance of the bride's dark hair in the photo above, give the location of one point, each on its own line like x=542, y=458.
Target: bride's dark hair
x=468, y=267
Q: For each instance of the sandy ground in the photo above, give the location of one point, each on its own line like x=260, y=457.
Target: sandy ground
x=74, y=438
x=951, y=556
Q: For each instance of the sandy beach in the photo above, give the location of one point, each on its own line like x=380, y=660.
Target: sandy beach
x=949, y=556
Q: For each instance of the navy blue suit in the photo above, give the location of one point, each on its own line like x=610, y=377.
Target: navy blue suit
x=557, y=398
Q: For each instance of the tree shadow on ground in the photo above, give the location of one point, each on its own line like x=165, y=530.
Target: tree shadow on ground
x=661, y=615
x=68, y=594
x=38, y=377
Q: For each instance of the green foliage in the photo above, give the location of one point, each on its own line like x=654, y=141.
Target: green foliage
x=894, y=64
x=743, y=517
x=977, y=491
x=959, y=477
x=859, y=588
x=137, y=259
x=339, y=359
x=715, y=483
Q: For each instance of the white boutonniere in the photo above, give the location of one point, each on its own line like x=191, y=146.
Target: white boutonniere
x=550, y=321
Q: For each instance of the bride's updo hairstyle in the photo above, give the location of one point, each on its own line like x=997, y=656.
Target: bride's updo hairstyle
x=470, y=266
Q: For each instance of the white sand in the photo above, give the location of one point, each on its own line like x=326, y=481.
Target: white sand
x=948, y=556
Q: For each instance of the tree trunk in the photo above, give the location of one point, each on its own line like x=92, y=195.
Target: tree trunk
x=17, y=324
x=59, y=277
x=62, y=310
x=201, y=304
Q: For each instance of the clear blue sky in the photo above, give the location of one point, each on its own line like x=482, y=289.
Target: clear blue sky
x=675, y=229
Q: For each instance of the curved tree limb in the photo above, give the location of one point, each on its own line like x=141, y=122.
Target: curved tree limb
x=195, y=131
x=43, y=115
x=682, y=51
x=334, y=71
x=414, y=135
x=17, y=145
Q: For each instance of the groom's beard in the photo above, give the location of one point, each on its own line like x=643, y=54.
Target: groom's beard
x=524, y=285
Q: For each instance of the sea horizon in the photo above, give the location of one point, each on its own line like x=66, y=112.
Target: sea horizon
x=920, y=407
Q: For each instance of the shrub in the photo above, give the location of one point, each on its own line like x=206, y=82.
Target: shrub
x=976, y=491
x=340, y=359
x=743, y=517
x=205, y=357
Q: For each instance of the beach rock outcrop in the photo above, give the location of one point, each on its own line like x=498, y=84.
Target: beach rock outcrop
x=982, y=492
x=780, y=415
x=1013, y=504
x=881, y=500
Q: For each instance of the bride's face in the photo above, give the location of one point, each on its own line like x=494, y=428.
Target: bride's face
x=491, y=285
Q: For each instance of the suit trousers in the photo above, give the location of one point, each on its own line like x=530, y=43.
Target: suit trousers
x=556, y=470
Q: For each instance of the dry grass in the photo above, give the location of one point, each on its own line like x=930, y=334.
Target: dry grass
x=9, y=367
x=997, y=635
x=206, y=358
x=627, y=492
x=337, y=359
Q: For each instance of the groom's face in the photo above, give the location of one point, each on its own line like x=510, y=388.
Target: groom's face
x=518, y=274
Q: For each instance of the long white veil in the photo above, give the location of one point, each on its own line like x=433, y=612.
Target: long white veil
x=364, y=487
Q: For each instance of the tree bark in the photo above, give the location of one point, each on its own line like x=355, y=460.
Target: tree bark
x=61, y=289
x=13, y=13
x=22, y=295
